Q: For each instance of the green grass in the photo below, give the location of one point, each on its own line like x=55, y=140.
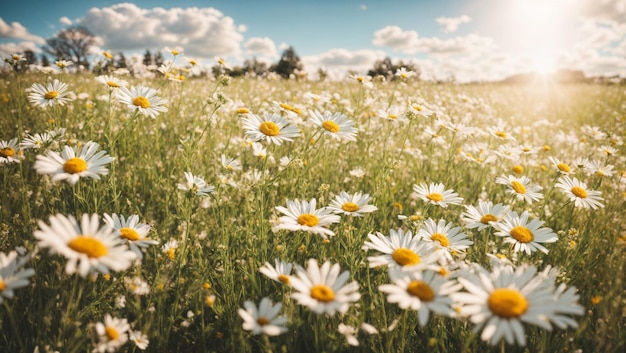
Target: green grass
x=224, y=239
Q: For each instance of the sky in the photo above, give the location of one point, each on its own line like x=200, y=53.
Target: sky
x=465, y=40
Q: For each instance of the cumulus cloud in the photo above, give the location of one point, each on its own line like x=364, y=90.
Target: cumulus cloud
x=65, y=20
x=261, y=46
x=409, y=42
x=451, y=24
x=612, y=10
x=6, y=49
x=202, y=32
x=336, y=62
x=16, y=31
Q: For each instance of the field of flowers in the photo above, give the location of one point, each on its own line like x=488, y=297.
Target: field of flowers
x=164, y=214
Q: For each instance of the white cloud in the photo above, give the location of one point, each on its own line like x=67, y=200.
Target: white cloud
x=6, y=49
x=451, y=24
x=613, y=10
x=65, y=20
x=202, y=32
x=258, y=46
x=397, y=39
x=16, y=31
x=336, y=62
x=363, y=7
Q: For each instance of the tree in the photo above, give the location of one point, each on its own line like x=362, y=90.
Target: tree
x=45, y=62
x=30, y=57
x=158, y=59
x=388, y=69
x=288, y=63
x=72, y=43
x=255, y=67
x=147, y=58
x=121, y=61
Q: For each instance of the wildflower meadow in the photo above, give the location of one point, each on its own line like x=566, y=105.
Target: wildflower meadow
x=257, y=214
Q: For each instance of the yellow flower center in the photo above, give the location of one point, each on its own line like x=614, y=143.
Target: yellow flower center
x=507, y=303
x=262, y=321
x=405, y=257
x=107, y=55
x=522, y=234
x=563, y=167
x=442, y=239
x=517, y=169
x=2, y=285
x=284, y=279
x=488, y=218
x=112, y=84
x=112, y=333
x=89, y=246
x=421, y=290
x=269, y=128
x=307, y=219
x=7, y=152
x=501, y=134
x=330, y=126
x=129, y=233
x=518, y=187
x=579, y=192
x=142, y=102
x=242, y=111
x=171, y=253
x=74, y=165
x=350, y=207
x=286, y=106
x=392, y=116
x=175, y=52
x=322, y=293
x=435, y=197
x=51, y=95
x=417, y=107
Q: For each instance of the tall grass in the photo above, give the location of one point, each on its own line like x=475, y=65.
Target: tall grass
x=225, y=238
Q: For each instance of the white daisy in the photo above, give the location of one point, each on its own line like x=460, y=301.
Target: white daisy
x=404, y=74
x=87, y=246
x=74, y=162
x=444, y=237
x=12, y=275
x=195, y=185
x=130, y=229
x=9, y=151
x=281, y=272
x=352, y=205
x=364, y=80
x=577, y=191
x=302, y=215
x=112, y=334
x=139, y=338
x=422, y=291
x=336, y=125
x=525, y=235
x=482, y=216
x=561, y=167
x=419, y=109
x=271, y=128
x=598, y=168
x=263, y=319
x=53, y=93
x=142, y=99
x=500, y=301
x=36, y=141
x=436, y=195
x=401, y=249
x=521, y=188
x=392, y=113
x=230, y=164
x=323, y=289
x=111, y=82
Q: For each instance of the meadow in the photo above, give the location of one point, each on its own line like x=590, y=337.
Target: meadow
x=382, y=216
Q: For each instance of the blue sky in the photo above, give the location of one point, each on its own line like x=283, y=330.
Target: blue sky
x=467, y=39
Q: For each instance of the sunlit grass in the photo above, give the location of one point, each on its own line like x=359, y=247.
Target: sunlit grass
x=196, y=287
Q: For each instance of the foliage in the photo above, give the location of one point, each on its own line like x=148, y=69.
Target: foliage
x=72, y=43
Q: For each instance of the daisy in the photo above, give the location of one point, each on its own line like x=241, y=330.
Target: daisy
x=302, y=215
x=142, y=99
x=560, y=167
x=500, y=301
x=363, y=80
x=403, y=73
x=401, y=249
x=271, y=128
x=53, y=93
x=281, y=272
x=349, y=332
x=87, y=246
x=139, y=338
x=500, y=133
x=482, y=216
x=12, y=275
x=577, y=191
x=598, y=168
x=607, y=150
x=230, y=164
x=444, y=237
x=170, y=248
x=521, y=188
x=111, y=82
x=112, y=334
x=352, y=205
x=9, y=151
x=525, y=235
x=131, y=230
x=323, y=289
x=392, y=113
x=264, y=318
x=36, y=141
x=336, y=125
x=137, y=286
x=195, y=185
x=419, y=110
x=63, y=64
x=74, y=162
x=435, y=194
x=422, y=291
